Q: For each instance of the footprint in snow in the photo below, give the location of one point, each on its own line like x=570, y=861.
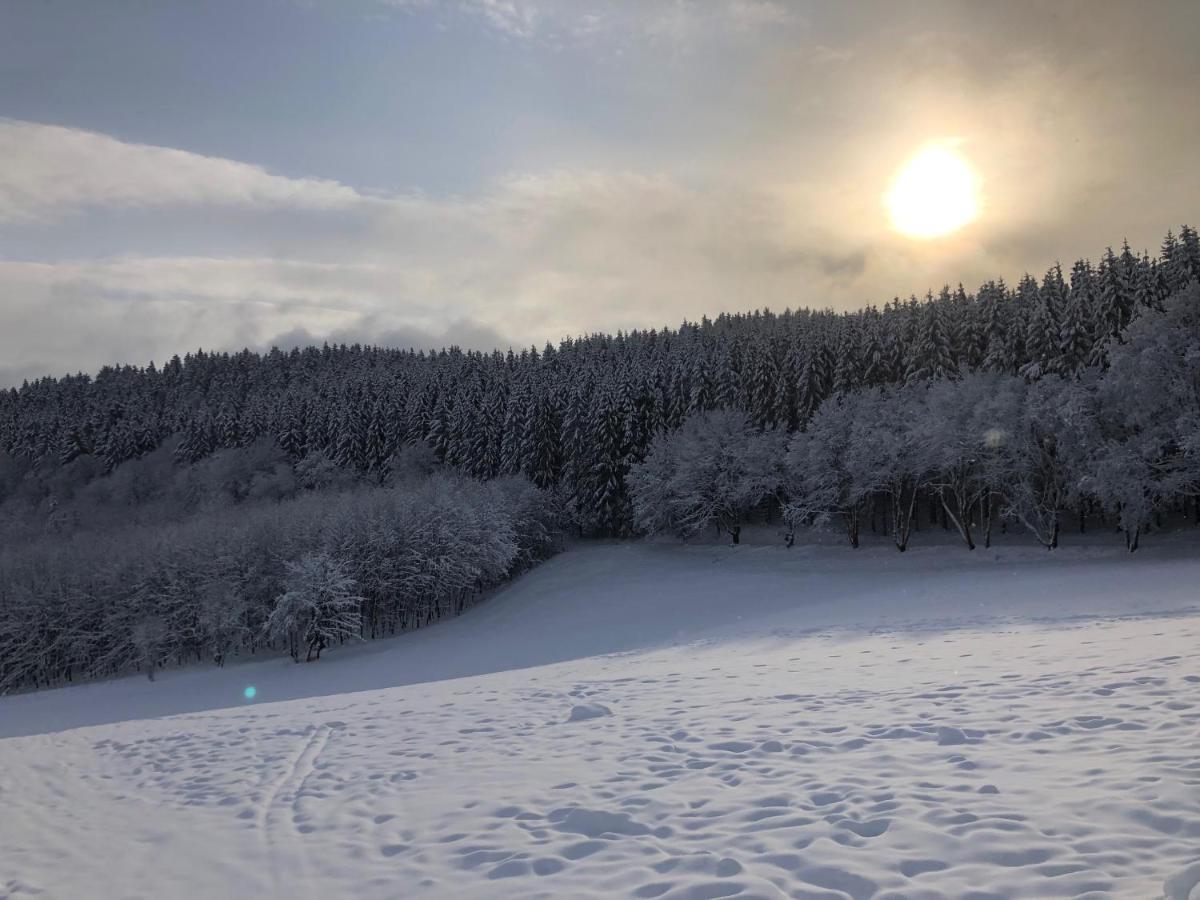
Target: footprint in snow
x=588, y=711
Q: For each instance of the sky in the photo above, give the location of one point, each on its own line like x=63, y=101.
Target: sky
x=495, y=173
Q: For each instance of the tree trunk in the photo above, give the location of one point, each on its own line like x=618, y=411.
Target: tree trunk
x=902, y=517
x=963, y=524
x=736, y=533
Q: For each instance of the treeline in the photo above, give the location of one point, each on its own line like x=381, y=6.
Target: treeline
x=299, y=574
x=1118, y=446
x=580, y=415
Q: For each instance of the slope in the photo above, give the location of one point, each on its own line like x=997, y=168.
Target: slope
x=652, y=720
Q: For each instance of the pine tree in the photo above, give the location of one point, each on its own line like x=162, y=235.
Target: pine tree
x=1145, y=292
x=847, y=373
x=375, y=441
x=290, y=436
x=703, y=392
x=785, y=402
x=1114, y=306
x=1173, y=266
x=438, y=433
x=874, y=365
x=1074, y=333
x=1189, y=255
x=1041, y=339
x=1054, y=293
x=930, y=355
x=762, y=389
x=970, y=337
x=541, y=452
x=513, y=432
x=606, y=503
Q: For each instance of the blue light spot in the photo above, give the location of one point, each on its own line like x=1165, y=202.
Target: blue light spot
x=250, y=691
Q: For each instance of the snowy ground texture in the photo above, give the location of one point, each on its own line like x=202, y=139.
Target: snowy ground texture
x=642, y=720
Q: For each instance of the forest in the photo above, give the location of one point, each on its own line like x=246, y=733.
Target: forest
x=297, y=573
x=223, y=503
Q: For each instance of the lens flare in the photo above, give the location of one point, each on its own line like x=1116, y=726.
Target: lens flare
x=934, y=193
x=250, y=692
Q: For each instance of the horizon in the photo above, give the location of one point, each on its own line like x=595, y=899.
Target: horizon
x=521, y=349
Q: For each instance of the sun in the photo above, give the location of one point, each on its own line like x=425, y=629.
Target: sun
x=934, y=194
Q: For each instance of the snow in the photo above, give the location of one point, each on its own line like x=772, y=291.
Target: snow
x=588, y=711
x=653, y=720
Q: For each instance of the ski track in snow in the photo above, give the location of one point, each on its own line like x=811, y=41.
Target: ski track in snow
x=287, y=825
x=1024, y=759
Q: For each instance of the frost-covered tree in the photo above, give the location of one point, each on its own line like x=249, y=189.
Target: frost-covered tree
x=1123, y=477
x=222, y=611
x=1148, y=404
x=1042, y=455
x=890, y=449
x=957, y=427
x=827, y=474
x=319, y=607
x=711, y=472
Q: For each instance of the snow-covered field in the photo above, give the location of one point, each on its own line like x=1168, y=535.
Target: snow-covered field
x=649, y=720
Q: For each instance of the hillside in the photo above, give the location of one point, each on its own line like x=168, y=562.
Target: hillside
x=578, y=414
x=355, y=492
x=657, y=720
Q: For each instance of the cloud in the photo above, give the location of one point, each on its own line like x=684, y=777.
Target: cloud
x=81, y=315
x=535, y=258
x=50, y=171
x=575, y=22
x=375, y=330
x=755, y=14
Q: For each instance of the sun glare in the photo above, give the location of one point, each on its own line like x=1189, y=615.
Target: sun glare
x=934, y=193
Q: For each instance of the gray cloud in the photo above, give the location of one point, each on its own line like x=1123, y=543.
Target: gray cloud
x=375, y=330
x=49, y=170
